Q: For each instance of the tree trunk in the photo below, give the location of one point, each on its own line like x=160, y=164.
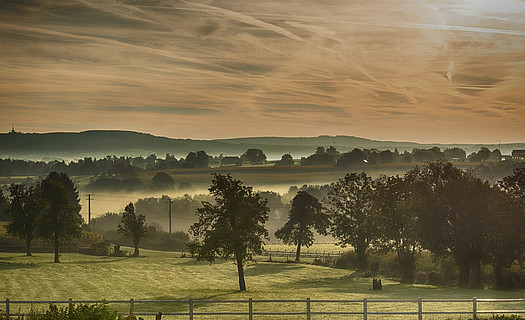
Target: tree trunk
x=407, y=266
x=464, y=272
x=475, y=272
x=498, y=279
x=136, y=244
x=298, y=252
x=240, y=272
x=361, y=258
x=55, y=244
x=28, y=246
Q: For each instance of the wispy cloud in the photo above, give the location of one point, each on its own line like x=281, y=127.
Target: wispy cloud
x=403, y=70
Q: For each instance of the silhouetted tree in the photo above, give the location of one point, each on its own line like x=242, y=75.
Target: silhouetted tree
x=507, y=241
x=60, y=220
x=350, y=207
x=253, y=156
x=286, y=160
x=386, y=156
x=455, y=154
x=397, y=208
x=306, y=213
x=354, y=157
x=233, y=226
x=162, y=181
x=133, y=226
x=457, y=207
x=4, y=216
x=24, y=209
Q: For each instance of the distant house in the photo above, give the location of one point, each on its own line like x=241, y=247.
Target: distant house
x=518, y=154
x=231, y=161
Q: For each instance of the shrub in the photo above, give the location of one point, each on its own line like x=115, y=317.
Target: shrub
x=99, y=311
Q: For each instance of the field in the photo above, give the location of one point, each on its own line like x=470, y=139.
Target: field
x=168, y=276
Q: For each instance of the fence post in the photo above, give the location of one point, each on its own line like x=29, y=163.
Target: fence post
x=7, y=308
x=474, y=308
x=131, y=307
x=250, y=309
x=191, y=308
x=158, y=316
x=419, y=309
x=307, y=308
x=365, y=309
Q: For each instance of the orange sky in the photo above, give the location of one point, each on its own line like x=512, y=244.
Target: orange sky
x=406, y=70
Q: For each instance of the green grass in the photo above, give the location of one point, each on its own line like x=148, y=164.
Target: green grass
x=165, y=275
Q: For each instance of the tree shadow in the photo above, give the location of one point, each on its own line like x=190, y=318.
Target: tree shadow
x=266, y=268
x=7, y=264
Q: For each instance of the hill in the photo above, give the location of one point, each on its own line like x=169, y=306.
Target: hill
x=99, y=143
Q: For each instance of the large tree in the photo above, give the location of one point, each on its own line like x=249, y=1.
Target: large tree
x=306, y=213
x=60, y=220
x=253, y=156
x=455, y=216
x=232, y=227
x=24, y=209
x=4, y=216
x=397, y=206
x=133, y=226
x=354, y=221
x=507, y=242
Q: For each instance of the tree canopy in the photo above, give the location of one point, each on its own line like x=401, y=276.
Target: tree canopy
x=24, y=209
x=232, y=227
x=133, y=226
x=60, y=219
x=354, y=221
x=306, y=213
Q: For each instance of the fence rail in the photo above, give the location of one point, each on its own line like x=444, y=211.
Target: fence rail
x=364, y=304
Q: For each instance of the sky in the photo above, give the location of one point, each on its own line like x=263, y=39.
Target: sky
x=404, y=70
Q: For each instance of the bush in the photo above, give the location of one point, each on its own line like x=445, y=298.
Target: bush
x=77, y=312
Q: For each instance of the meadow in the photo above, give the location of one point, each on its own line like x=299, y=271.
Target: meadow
x=169, y=276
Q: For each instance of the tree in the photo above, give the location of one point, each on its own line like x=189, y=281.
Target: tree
x=162, y=181
x=4, y=215
x=286, y=160
x=232, y=227
x=306, y=213
x=60, y=220
x=253, y=156
x=354, y=157
x=24, y=209
x=350, y=207
x=133, y=226
x=455, y=216
x=507, y=241
x=397, y=206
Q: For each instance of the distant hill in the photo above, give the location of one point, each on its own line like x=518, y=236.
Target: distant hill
x=99, y=143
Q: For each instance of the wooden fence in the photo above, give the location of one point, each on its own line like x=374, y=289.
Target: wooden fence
x=306, y=309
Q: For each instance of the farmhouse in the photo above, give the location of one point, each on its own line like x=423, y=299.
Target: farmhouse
x=518, y=154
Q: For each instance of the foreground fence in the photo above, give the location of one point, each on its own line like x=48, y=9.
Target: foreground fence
x=302, y=309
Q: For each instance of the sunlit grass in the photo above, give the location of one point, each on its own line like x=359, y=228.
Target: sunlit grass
x=165, y=275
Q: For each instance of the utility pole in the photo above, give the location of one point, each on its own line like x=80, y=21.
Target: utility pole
x=169, y=204
x=89, y=208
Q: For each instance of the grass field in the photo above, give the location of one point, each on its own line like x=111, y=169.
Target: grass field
x=167, y=276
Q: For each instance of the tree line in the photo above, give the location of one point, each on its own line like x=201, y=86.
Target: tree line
x=437, y=207
x=129, y=167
